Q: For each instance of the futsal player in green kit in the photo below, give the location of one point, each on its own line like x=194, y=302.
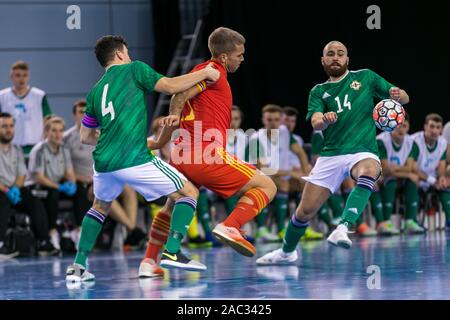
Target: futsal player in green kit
x=116, y=123
x=342, y=109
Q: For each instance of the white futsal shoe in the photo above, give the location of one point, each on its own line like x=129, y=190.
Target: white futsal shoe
x=339, y=237
x=78, y=273
x=150, y=269
x=277, y=257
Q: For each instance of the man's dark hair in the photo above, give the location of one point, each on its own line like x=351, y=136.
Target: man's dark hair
x=79, y=103
x=106, y=47
x=5, y=115
x=290, y=111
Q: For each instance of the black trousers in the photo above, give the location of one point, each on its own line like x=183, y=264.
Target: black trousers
x=81, y=204
x=29, y=205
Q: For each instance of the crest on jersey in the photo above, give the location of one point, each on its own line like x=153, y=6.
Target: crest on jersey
x=355, y=85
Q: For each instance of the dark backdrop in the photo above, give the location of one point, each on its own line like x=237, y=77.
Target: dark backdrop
x=285, y=41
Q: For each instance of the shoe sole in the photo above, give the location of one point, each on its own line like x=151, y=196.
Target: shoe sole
x=240, y=248
x=146, y=274
x=9, y=256
x=150, y=275
x=341, y=244
x=176, y=265
x=73, y=279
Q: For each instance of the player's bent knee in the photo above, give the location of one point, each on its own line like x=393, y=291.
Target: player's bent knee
x=189, y=190
x=102, y=206
x=305, y=213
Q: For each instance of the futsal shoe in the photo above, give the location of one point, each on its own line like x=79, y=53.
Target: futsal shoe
x=235, y=239
x=149, y=269
x=180, y=261
x=311, y=235
x=265, y=236
x=411, y=227
x=277, y=257
x=365, y=231
x=78, y=273
x=386, y=228
x=339, y=237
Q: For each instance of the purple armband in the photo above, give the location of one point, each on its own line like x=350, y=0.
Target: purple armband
x=90, y=121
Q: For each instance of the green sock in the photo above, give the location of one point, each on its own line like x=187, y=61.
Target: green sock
x=412, y=200
x=281, y=209
x=445, y=200
x=203, y=215
x=230, y=204
x=182, y=215
x=295, y=230
x=90, y=228
x=388, y=194
x=356, y=203
x=335, y=203
x=324, y=215
x=377, y=206
x=262, y=217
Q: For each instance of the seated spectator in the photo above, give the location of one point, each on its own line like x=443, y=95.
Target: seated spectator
x=13, y=196
x=28, y=105
x=50, y=169
x=81, y=155
x=428, y=160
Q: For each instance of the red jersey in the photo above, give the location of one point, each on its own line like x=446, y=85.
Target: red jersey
x=210, y=110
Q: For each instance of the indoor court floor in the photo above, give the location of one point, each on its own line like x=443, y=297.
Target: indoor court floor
x=402, y=267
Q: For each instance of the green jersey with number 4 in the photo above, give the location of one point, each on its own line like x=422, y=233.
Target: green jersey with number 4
x=118, y=103
x=352, y=100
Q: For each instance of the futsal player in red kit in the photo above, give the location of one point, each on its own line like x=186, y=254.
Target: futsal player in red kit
x=203, y=114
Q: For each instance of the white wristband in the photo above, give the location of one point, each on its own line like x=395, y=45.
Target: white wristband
x=431, y=180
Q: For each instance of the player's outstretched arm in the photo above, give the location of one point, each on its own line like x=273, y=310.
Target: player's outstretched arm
x=174, y=85
x=320, y=121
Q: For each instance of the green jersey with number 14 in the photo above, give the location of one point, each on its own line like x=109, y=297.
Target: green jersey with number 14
x=352, y=99
x=117, y=105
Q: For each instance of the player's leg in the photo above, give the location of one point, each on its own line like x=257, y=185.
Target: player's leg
x=155, y=179
x=90, y=228
x=257, y=194
x=159, y=232
x=314, y=196
x=185, y=203
x=106, y=189
x=281, y=203
x=376, y=204
x=365, y=171
x=412, y=207
x=325, y=178
x=444, y=195
x=388, y=194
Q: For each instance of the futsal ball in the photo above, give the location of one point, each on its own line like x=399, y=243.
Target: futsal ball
x=388, y=114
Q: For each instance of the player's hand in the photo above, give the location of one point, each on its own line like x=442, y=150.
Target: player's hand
x=394, y=93
x=152, y=144
x=414, y=178
x=170, y=121
x=212, y=73
x=329, y=117
x=441, y=183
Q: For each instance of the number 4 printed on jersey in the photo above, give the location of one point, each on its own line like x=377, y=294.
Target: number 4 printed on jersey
x=110, y=107
x=347, y=104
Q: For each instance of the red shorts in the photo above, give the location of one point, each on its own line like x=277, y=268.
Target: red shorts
x=224, y=177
